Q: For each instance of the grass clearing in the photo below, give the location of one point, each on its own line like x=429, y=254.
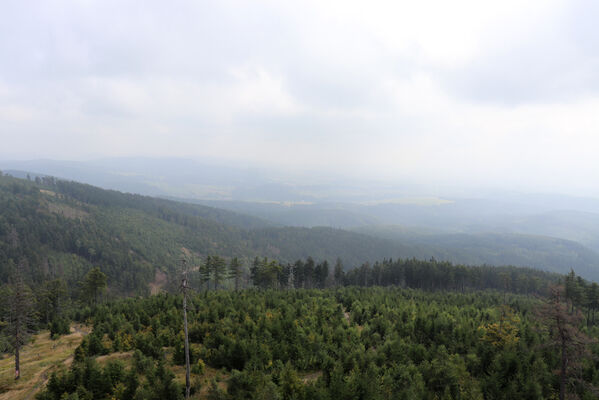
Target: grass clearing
x=126, y=357
x=67, y=211
x=38, y=359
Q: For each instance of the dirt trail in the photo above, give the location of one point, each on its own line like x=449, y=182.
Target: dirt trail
x=160, y=280
x=41, y=381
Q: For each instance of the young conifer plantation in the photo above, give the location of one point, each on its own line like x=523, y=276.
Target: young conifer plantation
x=361, y=341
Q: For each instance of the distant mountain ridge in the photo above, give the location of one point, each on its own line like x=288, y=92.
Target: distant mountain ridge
x=65, y=228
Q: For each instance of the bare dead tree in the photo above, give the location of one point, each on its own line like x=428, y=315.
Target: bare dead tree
x=567, y=339
x=19, y=314
x=184, y=288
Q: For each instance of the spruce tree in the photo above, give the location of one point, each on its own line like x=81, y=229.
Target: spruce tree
x=218, y=270
x=19, y=314
x=339, y=274
x=206, y=272
x=235, y=272
x=94, y=284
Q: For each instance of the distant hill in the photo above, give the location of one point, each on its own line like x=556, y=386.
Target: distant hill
x=579, y=226
x=541, y=252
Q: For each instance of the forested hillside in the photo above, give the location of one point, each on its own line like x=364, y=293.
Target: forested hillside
x=543, y=252
x=61, y=229
x=473, y=233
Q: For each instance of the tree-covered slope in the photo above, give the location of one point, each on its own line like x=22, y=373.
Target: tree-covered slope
x=542, y=252
x=63, y=229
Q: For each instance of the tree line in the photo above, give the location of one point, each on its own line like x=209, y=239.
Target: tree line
x=216, y=273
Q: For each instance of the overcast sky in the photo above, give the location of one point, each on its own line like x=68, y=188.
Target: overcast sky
x=505, y=92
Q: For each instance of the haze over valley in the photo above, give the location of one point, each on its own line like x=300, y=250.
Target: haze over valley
x=462, y=225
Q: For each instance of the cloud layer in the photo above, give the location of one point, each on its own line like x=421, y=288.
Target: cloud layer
x=442, y=92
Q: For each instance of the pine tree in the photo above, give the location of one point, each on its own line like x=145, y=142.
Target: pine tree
x=285, y=276
x=206, y=272
x=339, y=274
x=321, y=273
x=592, y=301
x=571, y=290
x=51, y=297
x=309, y=268
x=566, y=337
x=94, y=284
x=298, y=274
x=255, y=271
x=20, y=315
x=265, y=274
x=235, y=272
x=218, y=270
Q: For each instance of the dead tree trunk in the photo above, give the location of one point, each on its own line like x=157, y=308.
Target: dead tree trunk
x=184, y=288
x=564, y=369
x=187, y=382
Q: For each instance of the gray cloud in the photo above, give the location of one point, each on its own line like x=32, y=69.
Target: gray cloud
x=423, y=91
x=547, y=59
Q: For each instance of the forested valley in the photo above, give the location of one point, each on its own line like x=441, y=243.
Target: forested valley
x=273, y=312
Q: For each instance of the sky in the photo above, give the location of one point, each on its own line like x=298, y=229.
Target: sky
x=501, y=93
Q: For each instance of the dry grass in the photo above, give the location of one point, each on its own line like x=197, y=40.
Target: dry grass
x=67, y=211
x=48, y=192
x=44, y=356
x=38, y=360
x=308, y=377
x=121, y=356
